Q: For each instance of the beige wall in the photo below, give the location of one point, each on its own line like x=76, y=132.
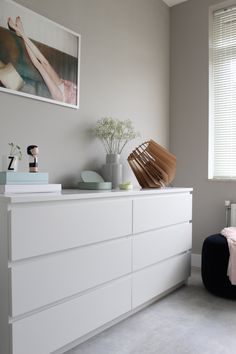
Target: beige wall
x=124, y=74
x=189, y=118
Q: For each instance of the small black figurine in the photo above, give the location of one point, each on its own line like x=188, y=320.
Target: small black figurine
x=32, y=151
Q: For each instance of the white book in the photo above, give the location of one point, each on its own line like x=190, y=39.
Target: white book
x=29, y=188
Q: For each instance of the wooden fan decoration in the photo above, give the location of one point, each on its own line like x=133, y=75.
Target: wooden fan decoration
x=153, y=165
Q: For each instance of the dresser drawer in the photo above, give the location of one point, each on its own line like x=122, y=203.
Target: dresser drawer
x=67, y=273
x=153, y=281
x=51, y=329
x=154, y=246
x=155, y=212
x=43, y=228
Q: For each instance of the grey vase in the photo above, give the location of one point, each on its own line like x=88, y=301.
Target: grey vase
x=112, y=170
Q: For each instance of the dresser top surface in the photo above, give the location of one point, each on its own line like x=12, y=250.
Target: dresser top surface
x=75, y=194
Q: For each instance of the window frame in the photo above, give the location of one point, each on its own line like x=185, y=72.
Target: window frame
x=211, y=176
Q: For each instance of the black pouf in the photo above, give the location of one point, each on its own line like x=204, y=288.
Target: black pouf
x=215, y=257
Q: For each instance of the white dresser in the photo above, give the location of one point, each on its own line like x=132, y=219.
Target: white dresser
x=72, y=264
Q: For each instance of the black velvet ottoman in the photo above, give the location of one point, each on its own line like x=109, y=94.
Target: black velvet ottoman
x=215, y=257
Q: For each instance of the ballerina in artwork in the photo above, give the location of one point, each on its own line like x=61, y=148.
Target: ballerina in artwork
x=60, y=90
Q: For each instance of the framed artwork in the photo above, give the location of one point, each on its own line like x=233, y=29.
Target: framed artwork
x=38, y=58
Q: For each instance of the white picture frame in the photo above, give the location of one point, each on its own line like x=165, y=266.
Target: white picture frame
x=39, y=58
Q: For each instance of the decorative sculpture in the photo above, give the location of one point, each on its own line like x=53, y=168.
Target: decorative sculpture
x=33, y=151
x=153, y=165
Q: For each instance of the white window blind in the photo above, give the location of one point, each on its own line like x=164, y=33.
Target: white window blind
x=222, y=94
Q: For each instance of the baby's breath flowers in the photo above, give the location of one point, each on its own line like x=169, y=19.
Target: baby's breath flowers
x=115, y=133
x=15, y=150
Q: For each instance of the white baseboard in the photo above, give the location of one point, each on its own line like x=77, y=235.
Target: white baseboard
x=196, y=260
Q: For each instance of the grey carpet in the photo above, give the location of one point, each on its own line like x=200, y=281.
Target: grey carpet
x=190, y=320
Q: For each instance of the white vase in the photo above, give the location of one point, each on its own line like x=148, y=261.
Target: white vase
x=10, y=163
x=112, y=170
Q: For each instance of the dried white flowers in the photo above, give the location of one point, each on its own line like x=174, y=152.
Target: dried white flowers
x=115, y=134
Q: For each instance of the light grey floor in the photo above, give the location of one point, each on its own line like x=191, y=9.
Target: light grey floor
x=190, y=320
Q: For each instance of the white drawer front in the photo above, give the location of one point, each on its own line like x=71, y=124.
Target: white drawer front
x=154, y=246
x=42, y=281
x=154, y=280
x=154, y=212
x=47, y=331
x=39, y=229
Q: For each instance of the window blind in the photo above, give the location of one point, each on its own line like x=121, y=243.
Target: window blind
x=222, y=138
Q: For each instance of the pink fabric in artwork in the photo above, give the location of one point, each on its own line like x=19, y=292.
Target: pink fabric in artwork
x=69, y=92
x=230, y=234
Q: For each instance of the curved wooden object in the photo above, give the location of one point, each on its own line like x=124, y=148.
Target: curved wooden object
x=153, y=165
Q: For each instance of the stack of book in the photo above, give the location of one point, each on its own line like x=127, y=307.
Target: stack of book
x=26, y=182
